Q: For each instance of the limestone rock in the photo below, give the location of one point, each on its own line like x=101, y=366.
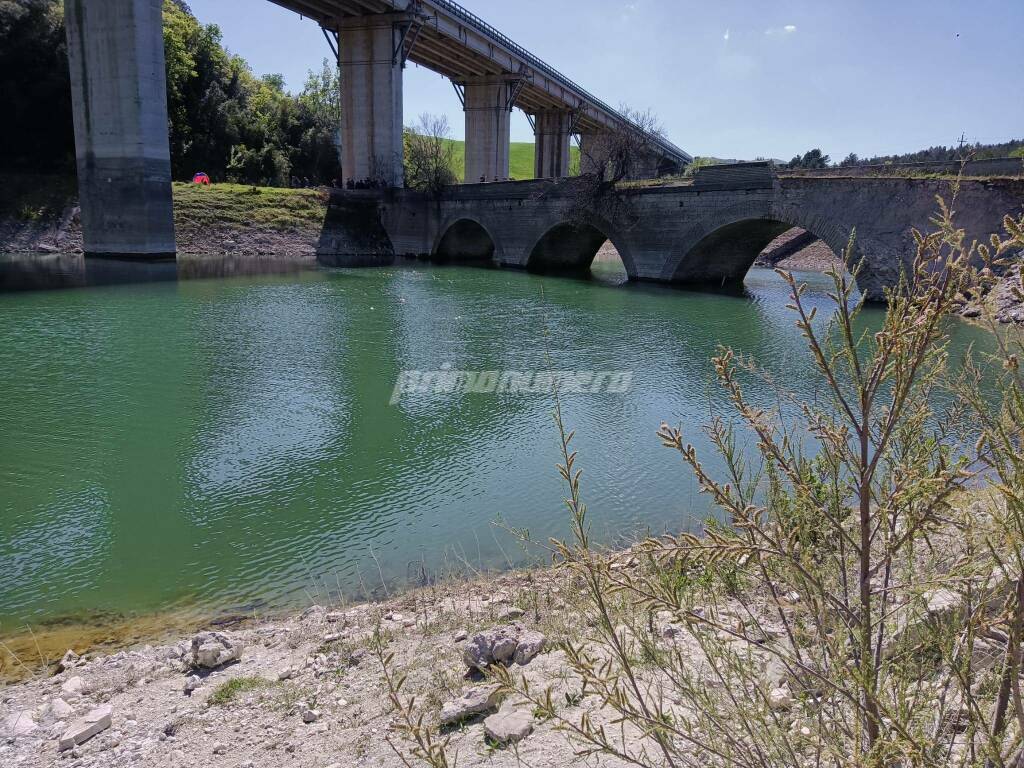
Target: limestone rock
x=60, y=709
x=192, y=682
x=941, y=601
x=502, y=645
x=83, y=729
x=530, y=644
x=214, y=649
x=780, y=699
x=503, y=649
x=473, y=701
x=18, y=724
x=73, y=686
x=286, y=674
x=308, y=714
x=460, y=636
x=510, y=614
x=507, y=726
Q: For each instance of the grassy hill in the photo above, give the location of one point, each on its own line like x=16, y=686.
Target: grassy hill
x=520, y=159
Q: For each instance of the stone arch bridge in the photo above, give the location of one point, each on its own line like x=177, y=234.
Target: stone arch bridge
x=705, y=234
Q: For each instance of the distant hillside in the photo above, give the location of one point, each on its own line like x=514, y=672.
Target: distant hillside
x=520, y=159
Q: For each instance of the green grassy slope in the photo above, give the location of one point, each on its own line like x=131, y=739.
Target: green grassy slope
x=520, y=159
x=236, y=205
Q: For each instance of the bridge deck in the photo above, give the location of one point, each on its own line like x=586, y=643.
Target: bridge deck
x=459, y=45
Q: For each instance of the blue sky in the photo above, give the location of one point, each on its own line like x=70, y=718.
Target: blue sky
x=730, y=78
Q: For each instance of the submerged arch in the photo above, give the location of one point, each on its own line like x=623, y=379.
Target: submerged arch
x=464, y=240
x=570, y=247
x=722, y=254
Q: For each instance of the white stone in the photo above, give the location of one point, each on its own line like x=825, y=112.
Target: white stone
x=19, y=723
x=219, y=749
x=502, y=645
x=286, y=674
x=508, y=726
x=310, y=715
x=192, y=682
x=473, y=701
x=941, y=600
x=509, y=614
x=214, y=649
x=60, y=709
x=73, y=686
x=83, y=729
x=530, y=644
x=780, y=699
x=460, y=636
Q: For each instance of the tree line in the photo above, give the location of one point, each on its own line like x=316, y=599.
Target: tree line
x=977, y=151
x=222, y=118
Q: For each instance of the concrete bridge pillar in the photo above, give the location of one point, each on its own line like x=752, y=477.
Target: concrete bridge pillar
x=371, y=99
x=551, y=143
x=119, y=100
x=488, y=106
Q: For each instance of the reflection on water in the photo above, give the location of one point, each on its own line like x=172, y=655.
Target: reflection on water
x=203, y=445
x=30, y=272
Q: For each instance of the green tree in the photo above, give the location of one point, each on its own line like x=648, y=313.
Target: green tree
x=214, y=101
x=36, y=132
x=810, y=159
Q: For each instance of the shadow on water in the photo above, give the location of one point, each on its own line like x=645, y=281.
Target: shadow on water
x=35, y=272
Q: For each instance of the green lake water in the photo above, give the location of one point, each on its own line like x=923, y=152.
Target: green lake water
x=229, y=444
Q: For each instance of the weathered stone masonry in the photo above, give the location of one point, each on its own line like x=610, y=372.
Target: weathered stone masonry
x=675, y=234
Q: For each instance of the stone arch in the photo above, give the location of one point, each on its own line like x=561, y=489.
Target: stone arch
x=464, y=239
x=571, y=247
x=719, y=251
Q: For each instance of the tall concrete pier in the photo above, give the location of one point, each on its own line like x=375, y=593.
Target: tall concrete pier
x=488, y=105
x=371, y=98
x=552, y=128
x=119, y=97
x=493, y=74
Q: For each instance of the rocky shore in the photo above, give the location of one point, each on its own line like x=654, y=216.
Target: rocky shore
x=309, y=690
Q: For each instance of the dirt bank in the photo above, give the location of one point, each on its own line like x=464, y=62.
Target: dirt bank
x=41, y=214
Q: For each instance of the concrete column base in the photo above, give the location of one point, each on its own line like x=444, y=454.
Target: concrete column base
x=488, y=111
x=371, y=100
x=551, y=144
x=119, y=100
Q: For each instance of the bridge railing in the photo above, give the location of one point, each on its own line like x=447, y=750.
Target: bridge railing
x=480, y=25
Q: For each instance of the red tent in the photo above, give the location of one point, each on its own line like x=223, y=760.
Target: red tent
x=201, y=178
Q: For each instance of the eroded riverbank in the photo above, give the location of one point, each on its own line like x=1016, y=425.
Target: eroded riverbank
x=40, y=214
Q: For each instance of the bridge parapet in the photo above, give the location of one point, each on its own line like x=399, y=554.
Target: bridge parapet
x=756, y=175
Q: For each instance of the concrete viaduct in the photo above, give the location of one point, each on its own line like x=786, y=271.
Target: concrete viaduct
x=705, y=234
x=116, y=56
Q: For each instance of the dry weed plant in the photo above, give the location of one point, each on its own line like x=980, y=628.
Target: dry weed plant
x=861, y=600
x=861, y=603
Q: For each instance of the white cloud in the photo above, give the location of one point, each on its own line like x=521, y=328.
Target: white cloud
x=726, y=36
x=789, y=28
x=786, y=30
